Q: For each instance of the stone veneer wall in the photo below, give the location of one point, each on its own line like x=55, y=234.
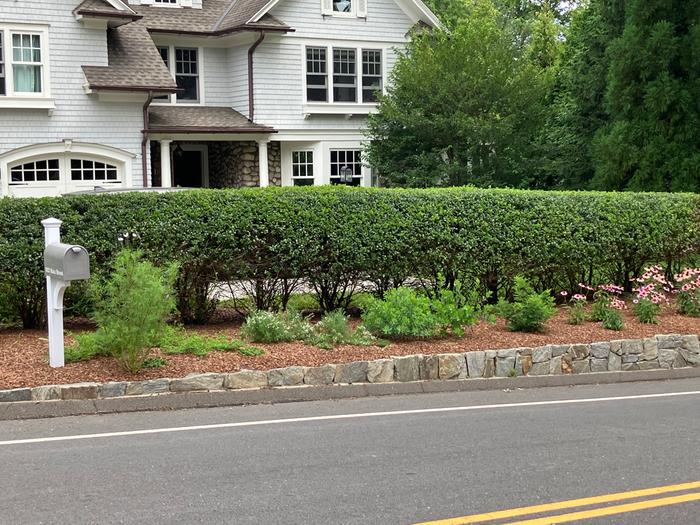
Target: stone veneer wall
x=659, y=352
x=235, y=164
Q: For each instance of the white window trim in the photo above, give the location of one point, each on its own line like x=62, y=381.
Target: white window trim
x=334, y=108
x=312, y=164
x=172, y=98
x=22, y=100
x=156, y=3
x=322, y=159
x=64, y=151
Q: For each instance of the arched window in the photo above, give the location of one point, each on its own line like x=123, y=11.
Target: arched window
x=64, y=167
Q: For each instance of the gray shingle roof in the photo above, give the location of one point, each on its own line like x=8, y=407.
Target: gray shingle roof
x=134, y=63
x=102, y=8
x=214, y=18
x=201, y=119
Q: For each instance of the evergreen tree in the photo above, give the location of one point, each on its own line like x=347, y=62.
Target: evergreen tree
x=653, y=100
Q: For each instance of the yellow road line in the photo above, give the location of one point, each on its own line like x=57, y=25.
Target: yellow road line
x=609, y=511
x=560, y=505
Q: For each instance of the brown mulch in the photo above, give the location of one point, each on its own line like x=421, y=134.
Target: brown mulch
x=24, y=353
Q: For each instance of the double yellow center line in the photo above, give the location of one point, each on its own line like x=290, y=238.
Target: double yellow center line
x=584, y=502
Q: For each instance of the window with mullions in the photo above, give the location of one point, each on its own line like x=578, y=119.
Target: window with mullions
x=346, y=164
x=187, y=74
x=82, y=169
x=166, y=2
x=344, y=75
x=26, y=63
x=37, y=171
x=165, y=55
x=371, y=74
x=316, y=75
x=303, y=168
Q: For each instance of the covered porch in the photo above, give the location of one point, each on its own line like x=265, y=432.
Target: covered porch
x=210, y=147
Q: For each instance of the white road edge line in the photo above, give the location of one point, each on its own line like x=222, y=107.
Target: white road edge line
x=343, y=416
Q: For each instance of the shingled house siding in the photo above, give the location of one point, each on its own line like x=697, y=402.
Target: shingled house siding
x=77, y=116
x=238, y=66
x=279, y=66
x=217, y=77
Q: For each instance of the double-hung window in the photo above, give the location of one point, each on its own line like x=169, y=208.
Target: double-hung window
x=187, y=73
x=184, y=65
x=23, y=62
x=316, y=75
x=357, y=75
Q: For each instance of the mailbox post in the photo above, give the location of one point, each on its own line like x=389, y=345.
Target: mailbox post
x=63, y=263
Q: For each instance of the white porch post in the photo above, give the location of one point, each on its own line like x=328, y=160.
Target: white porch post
x=166, y=176
x=262, y=163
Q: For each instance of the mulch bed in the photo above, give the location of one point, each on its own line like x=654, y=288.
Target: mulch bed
x=24, y=353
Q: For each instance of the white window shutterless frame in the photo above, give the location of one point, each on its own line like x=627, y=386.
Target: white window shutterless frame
x=24, y=63
x=343, y=75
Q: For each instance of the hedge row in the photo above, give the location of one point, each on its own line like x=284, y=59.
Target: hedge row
x=336, y=239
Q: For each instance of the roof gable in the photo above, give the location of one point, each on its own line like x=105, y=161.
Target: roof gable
x=416, y=10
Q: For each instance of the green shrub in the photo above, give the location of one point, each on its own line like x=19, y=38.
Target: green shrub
x=334, y=329
x=87, y=346
x=577, y=312
x=529, y=310
x=612, y=320
x=402, y=313
x=647, y=311
x=132, y=308
x=154, y=362
x=336, y=239
x=269, y=327
x=454, y=311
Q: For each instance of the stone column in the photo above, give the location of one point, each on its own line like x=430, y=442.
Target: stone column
x=264, y=170
x=166, y=176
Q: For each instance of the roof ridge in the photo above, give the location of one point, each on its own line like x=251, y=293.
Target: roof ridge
x=228, y=10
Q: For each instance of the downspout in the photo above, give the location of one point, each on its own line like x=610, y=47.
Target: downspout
x=251, y=99
x=144, y=142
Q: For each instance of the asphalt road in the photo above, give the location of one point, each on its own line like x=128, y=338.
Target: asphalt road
x=374, y=469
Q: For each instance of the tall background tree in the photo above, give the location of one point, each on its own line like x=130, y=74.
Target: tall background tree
x=601, y=94
x=651, y=141
x=463, y=108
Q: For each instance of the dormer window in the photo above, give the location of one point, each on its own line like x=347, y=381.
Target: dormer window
x=173, y=3
x=342, y=6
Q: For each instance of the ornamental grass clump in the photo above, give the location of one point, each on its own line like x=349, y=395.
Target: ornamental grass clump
x=529, y=310
x=688, y=282
x=131, y=310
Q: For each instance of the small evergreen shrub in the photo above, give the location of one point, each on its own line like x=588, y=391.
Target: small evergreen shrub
x=131, y=310
x=529, y=311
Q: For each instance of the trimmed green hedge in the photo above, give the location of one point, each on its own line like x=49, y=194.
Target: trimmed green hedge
x=336, y=239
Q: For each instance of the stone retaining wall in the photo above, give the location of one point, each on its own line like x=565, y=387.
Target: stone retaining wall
x=661, y=351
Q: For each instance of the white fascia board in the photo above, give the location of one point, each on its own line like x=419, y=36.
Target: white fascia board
x=120, y=6
x=415, y=9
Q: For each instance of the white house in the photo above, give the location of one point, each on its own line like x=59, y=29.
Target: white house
x=192, y=93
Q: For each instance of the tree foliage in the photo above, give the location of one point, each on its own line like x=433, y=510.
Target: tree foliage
x=463, y=107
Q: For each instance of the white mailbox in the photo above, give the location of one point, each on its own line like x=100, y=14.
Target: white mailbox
x=63, y=263
x=68, y=262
